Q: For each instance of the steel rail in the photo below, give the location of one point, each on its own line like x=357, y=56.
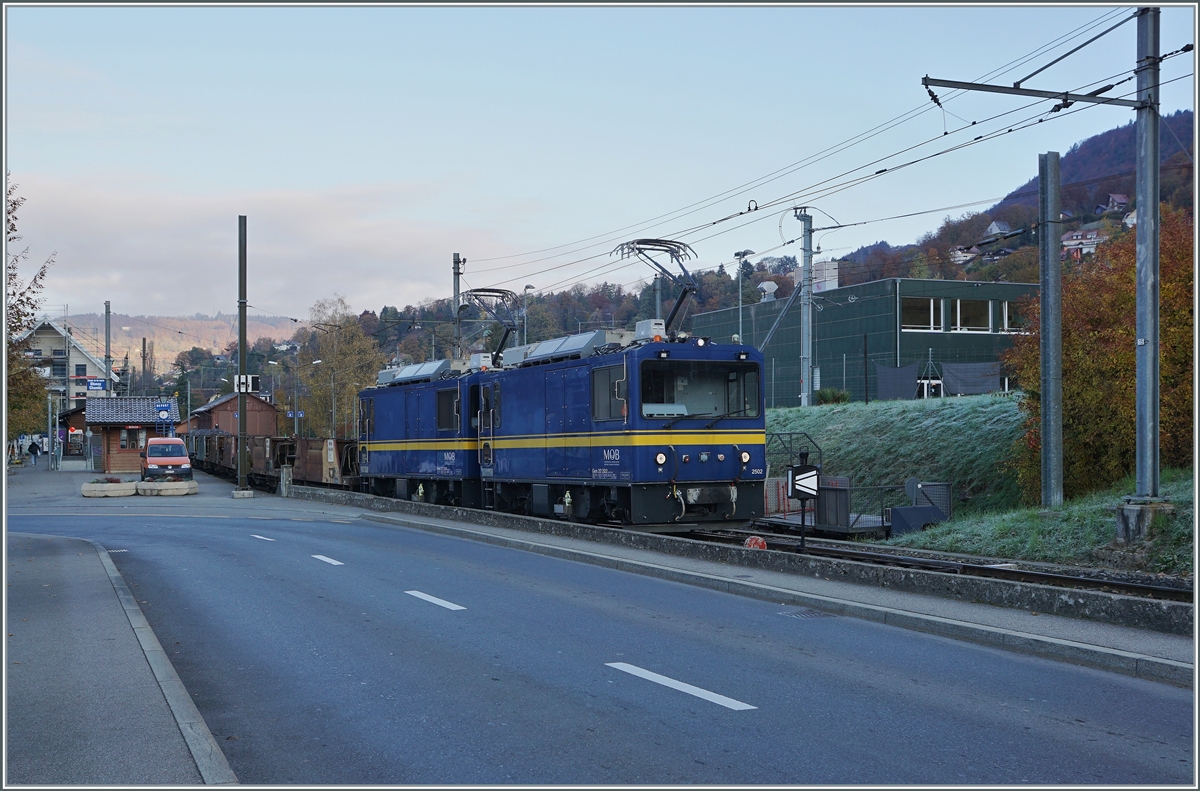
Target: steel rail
x=794, y=544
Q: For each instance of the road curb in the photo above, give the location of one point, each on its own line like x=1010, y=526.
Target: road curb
x=1137, y=665
x=210, y=761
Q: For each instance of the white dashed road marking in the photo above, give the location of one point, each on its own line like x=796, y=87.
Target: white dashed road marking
x=435, y=600
x=330, y=561
x=264, y=538
x=712, y=697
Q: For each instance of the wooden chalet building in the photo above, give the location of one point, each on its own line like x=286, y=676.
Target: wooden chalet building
x=121, y=426
x=221, y=416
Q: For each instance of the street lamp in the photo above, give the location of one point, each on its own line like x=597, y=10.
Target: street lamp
x=741, y=255
x=525, y=314
x=295, y=399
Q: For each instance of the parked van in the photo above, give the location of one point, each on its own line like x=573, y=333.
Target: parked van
x=166, y=457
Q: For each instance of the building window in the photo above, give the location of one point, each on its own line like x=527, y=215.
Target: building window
x=133, y=438
x=81, y=369
x=972, y=315
x=58, y=370
x=60, y=352
x=1011, y=320
x=921, y=313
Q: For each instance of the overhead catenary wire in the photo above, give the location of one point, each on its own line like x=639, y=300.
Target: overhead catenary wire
x=800, y=196
x=861, y=137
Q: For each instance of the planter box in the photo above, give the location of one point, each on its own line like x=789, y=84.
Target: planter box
x=110, y=489
x=167, y=487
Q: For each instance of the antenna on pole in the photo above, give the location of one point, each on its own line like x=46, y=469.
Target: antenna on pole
x=679, y=253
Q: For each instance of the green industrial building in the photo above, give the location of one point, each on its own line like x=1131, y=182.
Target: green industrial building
x=903, y=338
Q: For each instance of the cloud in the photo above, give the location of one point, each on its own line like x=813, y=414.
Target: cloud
x=152, y=250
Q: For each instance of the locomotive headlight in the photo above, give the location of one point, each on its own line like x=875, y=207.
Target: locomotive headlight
x=660, y=458
x=745, y=457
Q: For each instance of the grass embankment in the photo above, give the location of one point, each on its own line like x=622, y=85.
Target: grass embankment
x=963, y=441
x=1079, y=534
x=967, y=441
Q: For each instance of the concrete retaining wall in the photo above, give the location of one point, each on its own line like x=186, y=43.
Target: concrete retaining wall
x=1162, y=616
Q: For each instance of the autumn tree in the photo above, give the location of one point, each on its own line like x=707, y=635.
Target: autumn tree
x=25, y=387
x=349, y=361
x=1099, y=308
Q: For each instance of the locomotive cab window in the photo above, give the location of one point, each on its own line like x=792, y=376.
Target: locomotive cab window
x=447, y=410
x=609, y=393
x=674, y=388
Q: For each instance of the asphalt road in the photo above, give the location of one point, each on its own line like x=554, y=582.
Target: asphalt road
x=323, y=649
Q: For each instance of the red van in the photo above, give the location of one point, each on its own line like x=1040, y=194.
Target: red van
x=166, y=457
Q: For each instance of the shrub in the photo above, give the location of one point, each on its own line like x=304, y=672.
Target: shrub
x=1099, y=363
x=831, y=395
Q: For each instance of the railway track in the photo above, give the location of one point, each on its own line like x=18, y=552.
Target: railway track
x=1010, y=571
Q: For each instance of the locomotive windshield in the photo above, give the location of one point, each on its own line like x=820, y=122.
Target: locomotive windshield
x=678, y=388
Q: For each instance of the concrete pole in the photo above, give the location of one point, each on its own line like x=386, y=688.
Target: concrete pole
x=1147, y=411
x=108, y=386
x=1049, y=245
x=241, y=447
x=806, y=333
x=457, y=324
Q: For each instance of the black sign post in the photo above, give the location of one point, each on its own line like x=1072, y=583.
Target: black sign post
x=803, y=481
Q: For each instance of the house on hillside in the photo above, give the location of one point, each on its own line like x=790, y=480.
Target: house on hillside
x=1077, y=244
x=1116, y=202
x=962, y=254
x=73, y=373
x=998, y=228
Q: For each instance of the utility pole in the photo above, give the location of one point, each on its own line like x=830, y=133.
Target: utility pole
x=658, y=296
x=805, y=308
x=241, y=388
x=458, y=262
x=108, y=349
x=1147, y=413
x=1049, y=246
x=143, y=387
x=1133, y=519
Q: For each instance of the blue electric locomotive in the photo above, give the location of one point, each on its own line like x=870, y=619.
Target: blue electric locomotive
x=605, y=426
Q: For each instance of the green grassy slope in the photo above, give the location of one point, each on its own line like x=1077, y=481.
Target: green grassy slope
x=960, y=440
x=1075, y=533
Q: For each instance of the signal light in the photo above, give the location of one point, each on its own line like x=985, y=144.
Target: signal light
x=745, y=457
x=663, y=354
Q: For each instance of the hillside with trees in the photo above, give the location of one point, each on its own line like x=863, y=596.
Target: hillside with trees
x=1090, y=171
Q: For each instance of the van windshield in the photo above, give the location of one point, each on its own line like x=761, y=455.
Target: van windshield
x=157, y=451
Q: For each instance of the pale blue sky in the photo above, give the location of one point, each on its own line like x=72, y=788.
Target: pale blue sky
x=369, y=144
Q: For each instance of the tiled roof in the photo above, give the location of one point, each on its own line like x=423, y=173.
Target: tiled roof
x=227, y=397
x=127, y=409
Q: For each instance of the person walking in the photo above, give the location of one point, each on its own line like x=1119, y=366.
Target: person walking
x=34, y=450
